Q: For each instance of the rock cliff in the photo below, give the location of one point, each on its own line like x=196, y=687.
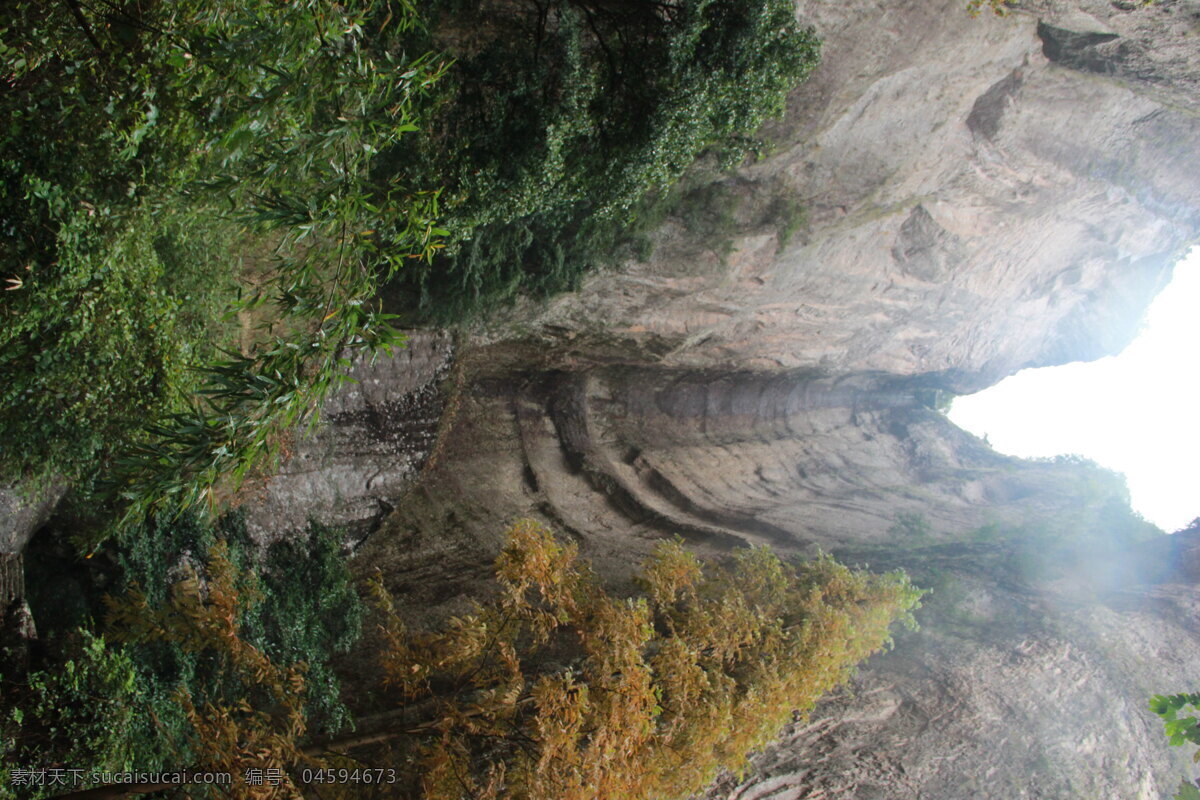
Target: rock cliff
x=371, y=438
x=1046, y=633
x=949, y=199
x=1052, y=619
x=979, y=195
x=977, y=200
x=1026, y=681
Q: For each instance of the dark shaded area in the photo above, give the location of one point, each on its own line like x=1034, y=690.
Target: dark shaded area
x=989, y=109
x=924, y=249
x=1082, y=51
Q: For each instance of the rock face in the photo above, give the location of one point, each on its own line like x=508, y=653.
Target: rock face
x=23, y=511
x=1044, y=638
x=978, y=195
x=1028, y=687
x=375, y=433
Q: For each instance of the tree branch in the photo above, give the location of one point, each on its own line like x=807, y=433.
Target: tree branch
x=77, y=12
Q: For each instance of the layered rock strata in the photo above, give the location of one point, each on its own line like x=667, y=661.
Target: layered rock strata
x=1042, y=641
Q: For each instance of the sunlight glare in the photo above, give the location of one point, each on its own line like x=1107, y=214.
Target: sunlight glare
x=1135, y=412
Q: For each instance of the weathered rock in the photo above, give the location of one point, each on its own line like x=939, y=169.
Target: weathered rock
x=971, y=207
x=18, y=633
x=795, y=460
x=1146, y=47
x=1012, y=689
x=372, y=437
x=23, y=511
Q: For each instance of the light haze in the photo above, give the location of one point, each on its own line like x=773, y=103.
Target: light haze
x=1135, y=412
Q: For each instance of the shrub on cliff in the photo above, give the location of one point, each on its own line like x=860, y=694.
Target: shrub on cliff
x=566, y=115
x=1180, y=714
x=298, y=603
x=87, y=711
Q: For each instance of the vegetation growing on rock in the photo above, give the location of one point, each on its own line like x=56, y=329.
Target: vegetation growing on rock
x=1181, y=723
x=566, y=121
x=203, y=618
x=213, y=162
x=192, y=261
x=553, y=689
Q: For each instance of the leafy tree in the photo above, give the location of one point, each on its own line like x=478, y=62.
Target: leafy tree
x=571, y=115
x=305, y=610
x=191, y=134
x=911, y=525
x=310, y=613
x=259, y=725
x=135, y=700
x=558, y=690
x=84, y=711
x=555, y=688
x=1180, y=728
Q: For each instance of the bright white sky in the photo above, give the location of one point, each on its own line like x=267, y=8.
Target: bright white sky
x=1137, y=413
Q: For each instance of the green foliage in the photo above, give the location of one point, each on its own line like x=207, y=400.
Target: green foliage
x=153, y=558
x=789, y=217
x=911, y=525
x=185, y=126
x=1181, y=729
x=89, y=710
x=323, y=101
x=95, y=343
x=938, y=400
x=91, y=339
x=998, y=7
x=1187, y=791
x=560, y=691
x=708, y=213
x=1092, y=539
x=572, y=114
x=304, y=608
x=257, y=720
x=310, y=612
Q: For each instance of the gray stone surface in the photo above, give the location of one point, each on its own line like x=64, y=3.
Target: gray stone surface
x=23, y=511
x=371, y=439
